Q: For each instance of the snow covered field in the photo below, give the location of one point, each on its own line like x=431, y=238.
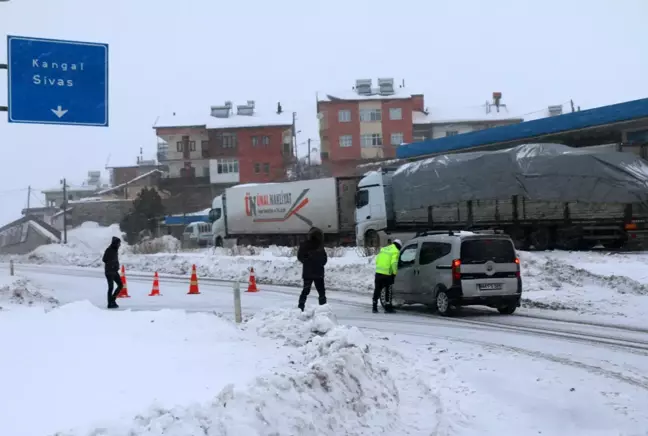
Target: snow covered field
x=162, y=367
x=598, y=285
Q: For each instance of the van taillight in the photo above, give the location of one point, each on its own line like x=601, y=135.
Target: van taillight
x=517, y=264
x=456, y=273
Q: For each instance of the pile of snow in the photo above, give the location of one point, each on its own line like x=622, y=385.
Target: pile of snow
x=163, y=244
x=347, y=268
x=283, y=373
x=92, y=238
x=558, y=281
x=16, y=291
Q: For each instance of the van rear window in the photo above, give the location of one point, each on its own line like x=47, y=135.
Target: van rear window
x=483, y=250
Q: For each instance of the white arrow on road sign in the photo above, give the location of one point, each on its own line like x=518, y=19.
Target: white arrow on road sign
x=59, y=112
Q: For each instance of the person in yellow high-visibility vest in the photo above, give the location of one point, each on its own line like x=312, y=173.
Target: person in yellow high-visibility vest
x=386, y=269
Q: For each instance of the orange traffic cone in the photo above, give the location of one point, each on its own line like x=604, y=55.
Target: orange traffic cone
x=156, y=286
x=252, y=287
x=193, y=283
x=124, y=292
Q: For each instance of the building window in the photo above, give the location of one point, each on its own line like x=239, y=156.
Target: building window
x=395, y=113
x=346, y=141
x=369, y=115
x=255, y=141
x=371, y=140
x=226, y=140
x=266, y=168
x=266, y=140
x=204, y=145
x=180, y=145
x=227, y=166
x=257, y=168
x=396, y=138
x=451, y=132
x=344, y=116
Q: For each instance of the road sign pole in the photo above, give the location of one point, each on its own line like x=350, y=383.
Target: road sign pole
x=4, y=67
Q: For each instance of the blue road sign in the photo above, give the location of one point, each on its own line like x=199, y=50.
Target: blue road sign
x=57, y=82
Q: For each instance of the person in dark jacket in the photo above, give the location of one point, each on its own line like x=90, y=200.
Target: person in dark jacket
x=111, y=268
x=313, y=257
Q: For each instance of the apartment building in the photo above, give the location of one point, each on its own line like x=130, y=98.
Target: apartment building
x=228, y=145
x=366, y=122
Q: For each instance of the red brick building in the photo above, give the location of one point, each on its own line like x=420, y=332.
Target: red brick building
x=365, y=122
x=230, y=145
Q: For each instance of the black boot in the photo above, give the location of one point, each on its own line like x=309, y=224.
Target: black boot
x=302, y=303
x=375, y=307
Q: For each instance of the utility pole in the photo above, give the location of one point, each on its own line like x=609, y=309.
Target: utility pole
x=309, y=153
x=293, y=145
x=64, y=211
x=294, y=135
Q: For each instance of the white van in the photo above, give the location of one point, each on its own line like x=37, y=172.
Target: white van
x=198, y=233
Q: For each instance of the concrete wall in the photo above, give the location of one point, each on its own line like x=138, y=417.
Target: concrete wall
x=103, y=212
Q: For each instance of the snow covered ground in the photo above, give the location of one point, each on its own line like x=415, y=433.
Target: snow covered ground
x=162, y=369
x=598, y=285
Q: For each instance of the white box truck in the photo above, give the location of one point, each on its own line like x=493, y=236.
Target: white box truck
x=282, y=213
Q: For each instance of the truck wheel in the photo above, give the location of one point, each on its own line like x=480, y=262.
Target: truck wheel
x=443, y=304
x=218, y=242
x=614, y=244
x=540, y=239
x=372, y=240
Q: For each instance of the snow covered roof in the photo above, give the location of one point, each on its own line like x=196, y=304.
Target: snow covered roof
x=373, y=91
x=445, y=115
x=44, y=232
x=70, y=188
x=233, y=121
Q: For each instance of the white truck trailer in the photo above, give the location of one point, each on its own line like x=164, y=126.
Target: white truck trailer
x=264, y=214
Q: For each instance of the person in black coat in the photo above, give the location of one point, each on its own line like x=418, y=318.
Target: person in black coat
x=313, y=257
x=111, y=268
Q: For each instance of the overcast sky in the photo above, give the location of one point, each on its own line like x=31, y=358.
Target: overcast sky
x=173, y=55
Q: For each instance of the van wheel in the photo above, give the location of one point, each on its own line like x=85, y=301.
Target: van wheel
x=507, y=310
x=218, y=242
x=443, y=303
x=383, y=299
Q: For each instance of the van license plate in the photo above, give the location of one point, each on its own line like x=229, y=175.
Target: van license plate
x=490, y=286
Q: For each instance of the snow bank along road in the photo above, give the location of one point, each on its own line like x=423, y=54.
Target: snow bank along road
x=573, y=377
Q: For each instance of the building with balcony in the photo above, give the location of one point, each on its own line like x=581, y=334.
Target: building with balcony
x=203, y=153
x=229, y=145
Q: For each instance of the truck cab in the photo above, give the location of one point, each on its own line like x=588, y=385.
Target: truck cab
x=373, y=201
x=217, y=218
